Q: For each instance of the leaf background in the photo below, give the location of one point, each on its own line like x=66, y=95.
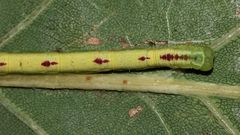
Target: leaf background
x=47, y=25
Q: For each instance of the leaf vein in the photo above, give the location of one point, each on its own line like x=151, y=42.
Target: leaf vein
x=227, y=38
x=217, y=114
x=142, y=83
x=167, y=18
x=25, y=22
x=25, y=118
x=151, y=104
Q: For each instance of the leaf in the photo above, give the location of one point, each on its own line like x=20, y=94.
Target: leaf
x=51, y=25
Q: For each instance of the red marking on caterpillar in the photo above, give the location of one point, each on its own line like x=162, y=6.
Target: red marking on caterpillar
x=3, y=64
x=176, y=57
x=170, y=57
x=143, y=58
x=47, y=63
x=101, y=61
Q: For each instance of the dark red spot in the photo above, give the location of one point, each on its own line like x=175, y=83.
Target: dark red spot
x=54, y=63
x=176, y=57
x=105, y=61
x=143, y=58
x=167, y=57
x=98, y=61
x=101, y=61
x=163, y=57
x=3, y=63
x=48, y=63
x=170, y=57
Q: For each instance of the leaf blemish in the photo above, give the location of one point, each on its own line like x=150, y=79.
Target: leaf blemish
x=135, y=111
x=93, y=41
x=123, y=42
x=125, y=81
x=88, y=78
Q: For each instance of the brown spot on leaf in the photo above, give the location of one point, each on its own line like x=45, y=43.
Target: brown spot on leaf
x=135, y=111
x=88, y=78
x=123, y=42
x=93, y=41
x=125, y=81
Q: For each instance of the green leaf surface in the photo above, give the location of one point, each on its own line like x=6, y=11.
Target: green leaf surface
x=50, y=25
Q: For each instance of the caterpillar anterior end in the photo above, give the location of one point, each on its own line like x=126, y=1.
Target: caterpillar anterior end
x=181, y=56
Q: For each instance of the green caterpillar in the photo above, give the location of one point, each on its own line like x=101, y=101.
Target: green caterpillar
x=180, y=56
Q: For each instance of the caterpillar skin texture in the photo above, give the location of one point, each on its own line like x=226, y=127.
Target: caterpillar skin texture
x=181, y=56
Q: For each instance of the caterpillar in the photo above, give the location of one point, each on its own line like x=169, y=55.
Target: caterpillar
x=181, y=56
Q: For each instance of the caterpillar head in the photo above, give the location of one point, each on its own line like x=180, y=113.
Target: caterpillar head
x=203, y=60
